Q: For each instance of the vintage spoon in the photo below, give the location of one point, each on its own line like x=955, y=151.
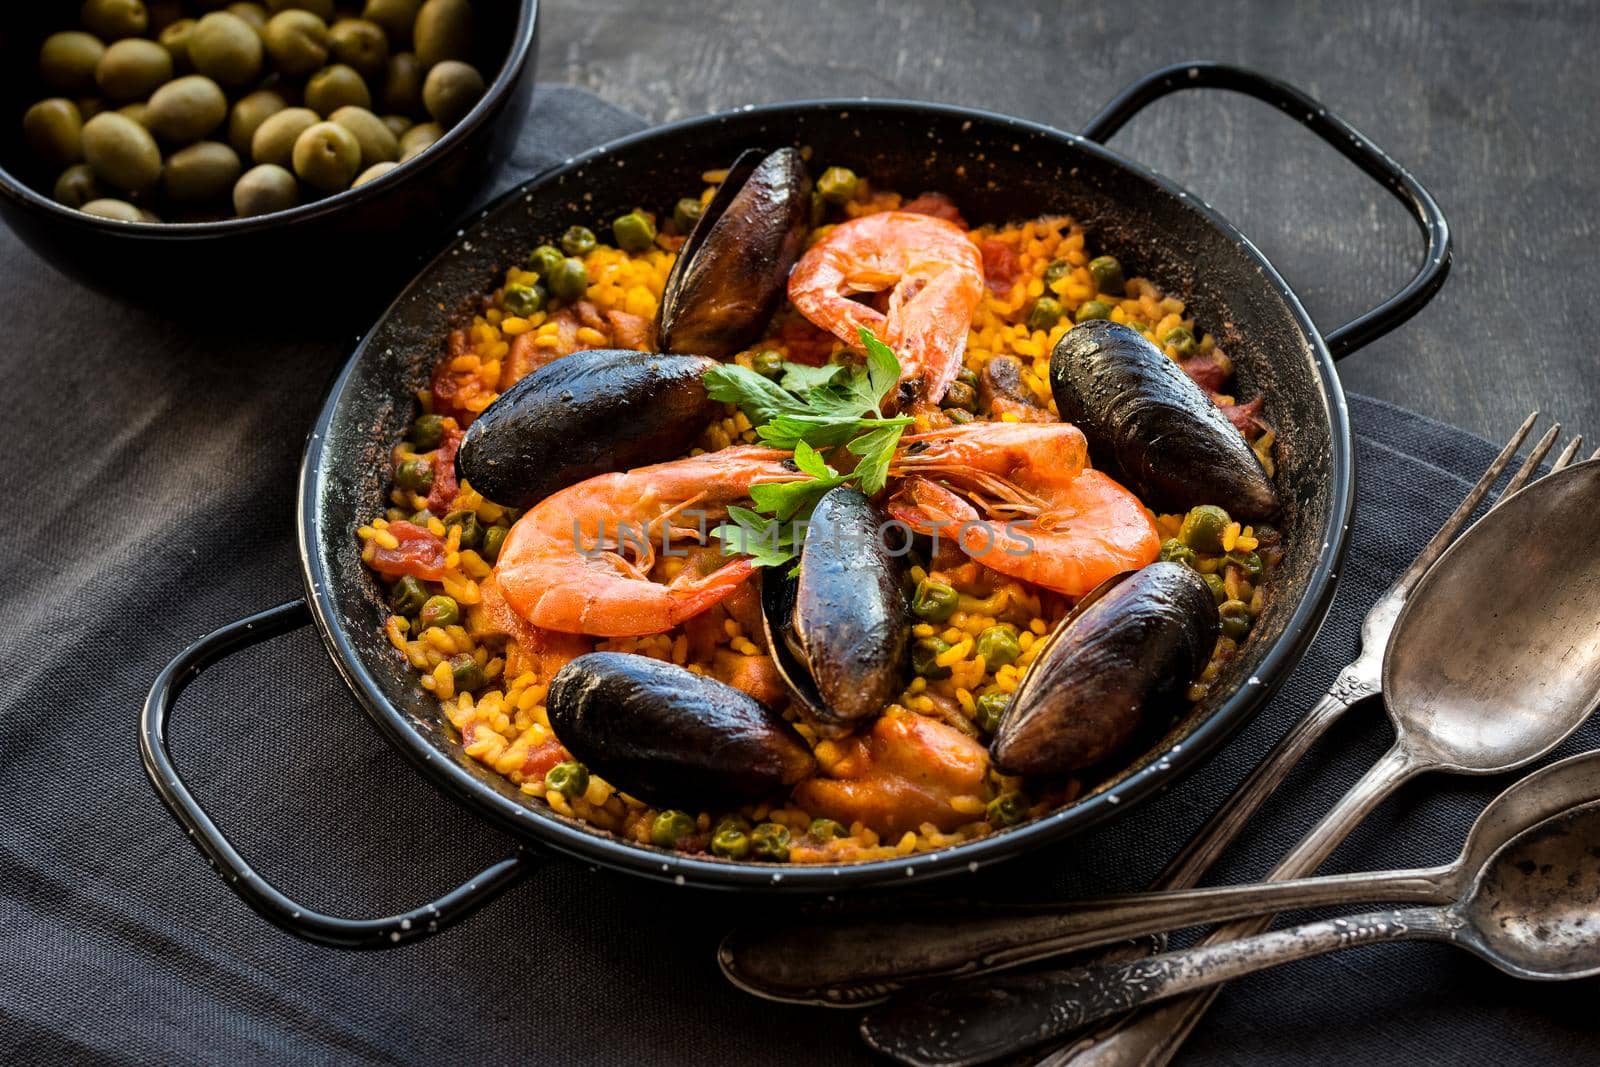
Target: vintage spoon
x=856, y=958
x=1529, y=909
x=1494, y=661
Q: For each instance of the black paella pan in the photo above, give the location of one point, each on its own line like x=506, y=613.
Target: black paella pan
x=997, y=168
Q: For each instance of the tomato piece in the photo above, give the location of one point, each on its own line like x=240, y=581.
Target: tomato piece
x=938, y=205
x=419, y=554
x=1000, y=265
x=444, y=473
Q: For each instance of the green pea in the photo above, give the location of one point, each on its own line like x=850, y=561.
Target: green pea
x=426, y=432
x=493, y=539
x=467, y=672
x=1234, y=616
x=1093, y=309
x=730, y=843
x=415, y=475
x=1219, y=588
x=768, y=363
x=1180, y=338
x=544, y=259
x=924, y=656
x=471, y=529
x=523, y=300
x=731, y=821
x=991, y=709
x=1249, y=561
x=670, y=828
x=968, y=375
x=934, y=601
x=634, y=231
x=1058, y=269
x=578, y=241
x=826, y=830
x=838, y=184
x=568, y=280
x=1175, y=551
x=998, y=646
x=960, y=416
x=1007, y=809
x=439, y=611
x=685, y=213
x=1202, y=528
x=1046, y=312
x=770, y=841
x=1107, y=274
x=408, y=596
x=569, y=778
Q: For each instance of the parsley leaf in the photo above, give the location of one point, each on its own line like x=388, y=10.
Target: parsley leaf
x=876, y=449
x=883, y=368
x=799, y=378
x=759, y=398
x=764, y=540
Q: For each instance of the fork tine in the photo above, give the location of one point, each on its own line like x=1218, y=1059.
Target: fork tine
x=1567, y=454
x=1535, y=457
x=1458, y=518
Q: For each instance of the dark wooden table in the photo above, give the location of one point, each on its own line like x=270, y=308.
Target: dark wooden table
x=1490, y=104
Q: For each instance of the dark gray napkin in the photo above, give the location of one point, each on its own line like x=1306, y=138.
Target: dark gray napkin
x=148, y=473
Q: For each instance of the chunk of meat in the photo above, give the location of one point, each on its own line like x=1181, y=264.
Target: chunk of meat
x=905, y=772
x=543, y=651
x=756, y=675
x=524, y=358
x=1246, y=417
x=443, y=492
x=632, y=331
x=419, y=554
x=938, y=205
x=1210, y=370
x=1001, y=391
x=1000, y=265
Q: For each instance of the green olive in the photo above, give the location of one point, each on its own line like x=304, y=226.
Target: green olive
x=201, y=172
x=826, y=830
x=132, y=68
x=685, y=213
x=377, y=170
x=327, y=156
x=418, y=139
x=297, y=41
x=1093, y=309
x=1175, y=551
x=1180, y=338
x=67, y=61
x=443, y=30
x=838, y=185
x=248, y=113
x=569, y=280
x=960, y=395
x=1203, y=527
x=226, y=49
x=494, y=538
x=186, y=109
x=334, y=87
x=991, y=709
x=578, y=241
x=634, y=232
x=398, y=125
x=1045, y=313
x=998, y=646
x=360, y=44
x=378, y=145
x=466, y=672
x=934, y=601
x=122, y=152
x=323, y=9
x=439, y=611
x=54, y=131
x=770, y=841
x=731, y=843
x=544, y=259
x=451, y=89
x=138, y=111
x=274, y=139
x=1234, y=616
x=402, y=83
x=395, y=16
x=1219, y=588
x=408, y=596
x=1007, y=809
x=120, y=210
x=924, y=658
x=264, y=189
x=670, y=828
x=175, y=39
x=113, y=19
x=77, y=186
x=523, y=300
x=1056, y=270
x=768, y=363
x=1107, y=274
x=415, y=475
x=569, y=778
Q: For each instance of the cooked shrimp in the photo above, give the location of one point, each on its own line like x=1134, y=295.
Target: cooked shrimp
x=934, y=276
x=579, y=560
x=1018, y=499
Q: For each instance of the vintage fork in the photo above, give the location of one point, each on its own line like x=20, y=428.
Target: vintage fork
x=1151, y=1037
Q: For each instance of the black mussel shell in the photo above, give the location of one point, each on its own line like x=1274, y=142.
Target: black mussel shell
x=839, y=629
x=585, y=414
x=730, y=275
x=672, y=737
x=1151, y=426
x=1126, y=653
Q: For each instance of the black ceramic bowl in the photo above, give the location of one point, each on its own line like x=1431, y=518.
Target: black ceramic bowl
x=318, y=252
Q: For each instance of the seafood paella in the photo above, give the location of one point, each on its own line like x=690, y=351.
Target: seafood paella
x=804, y=522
